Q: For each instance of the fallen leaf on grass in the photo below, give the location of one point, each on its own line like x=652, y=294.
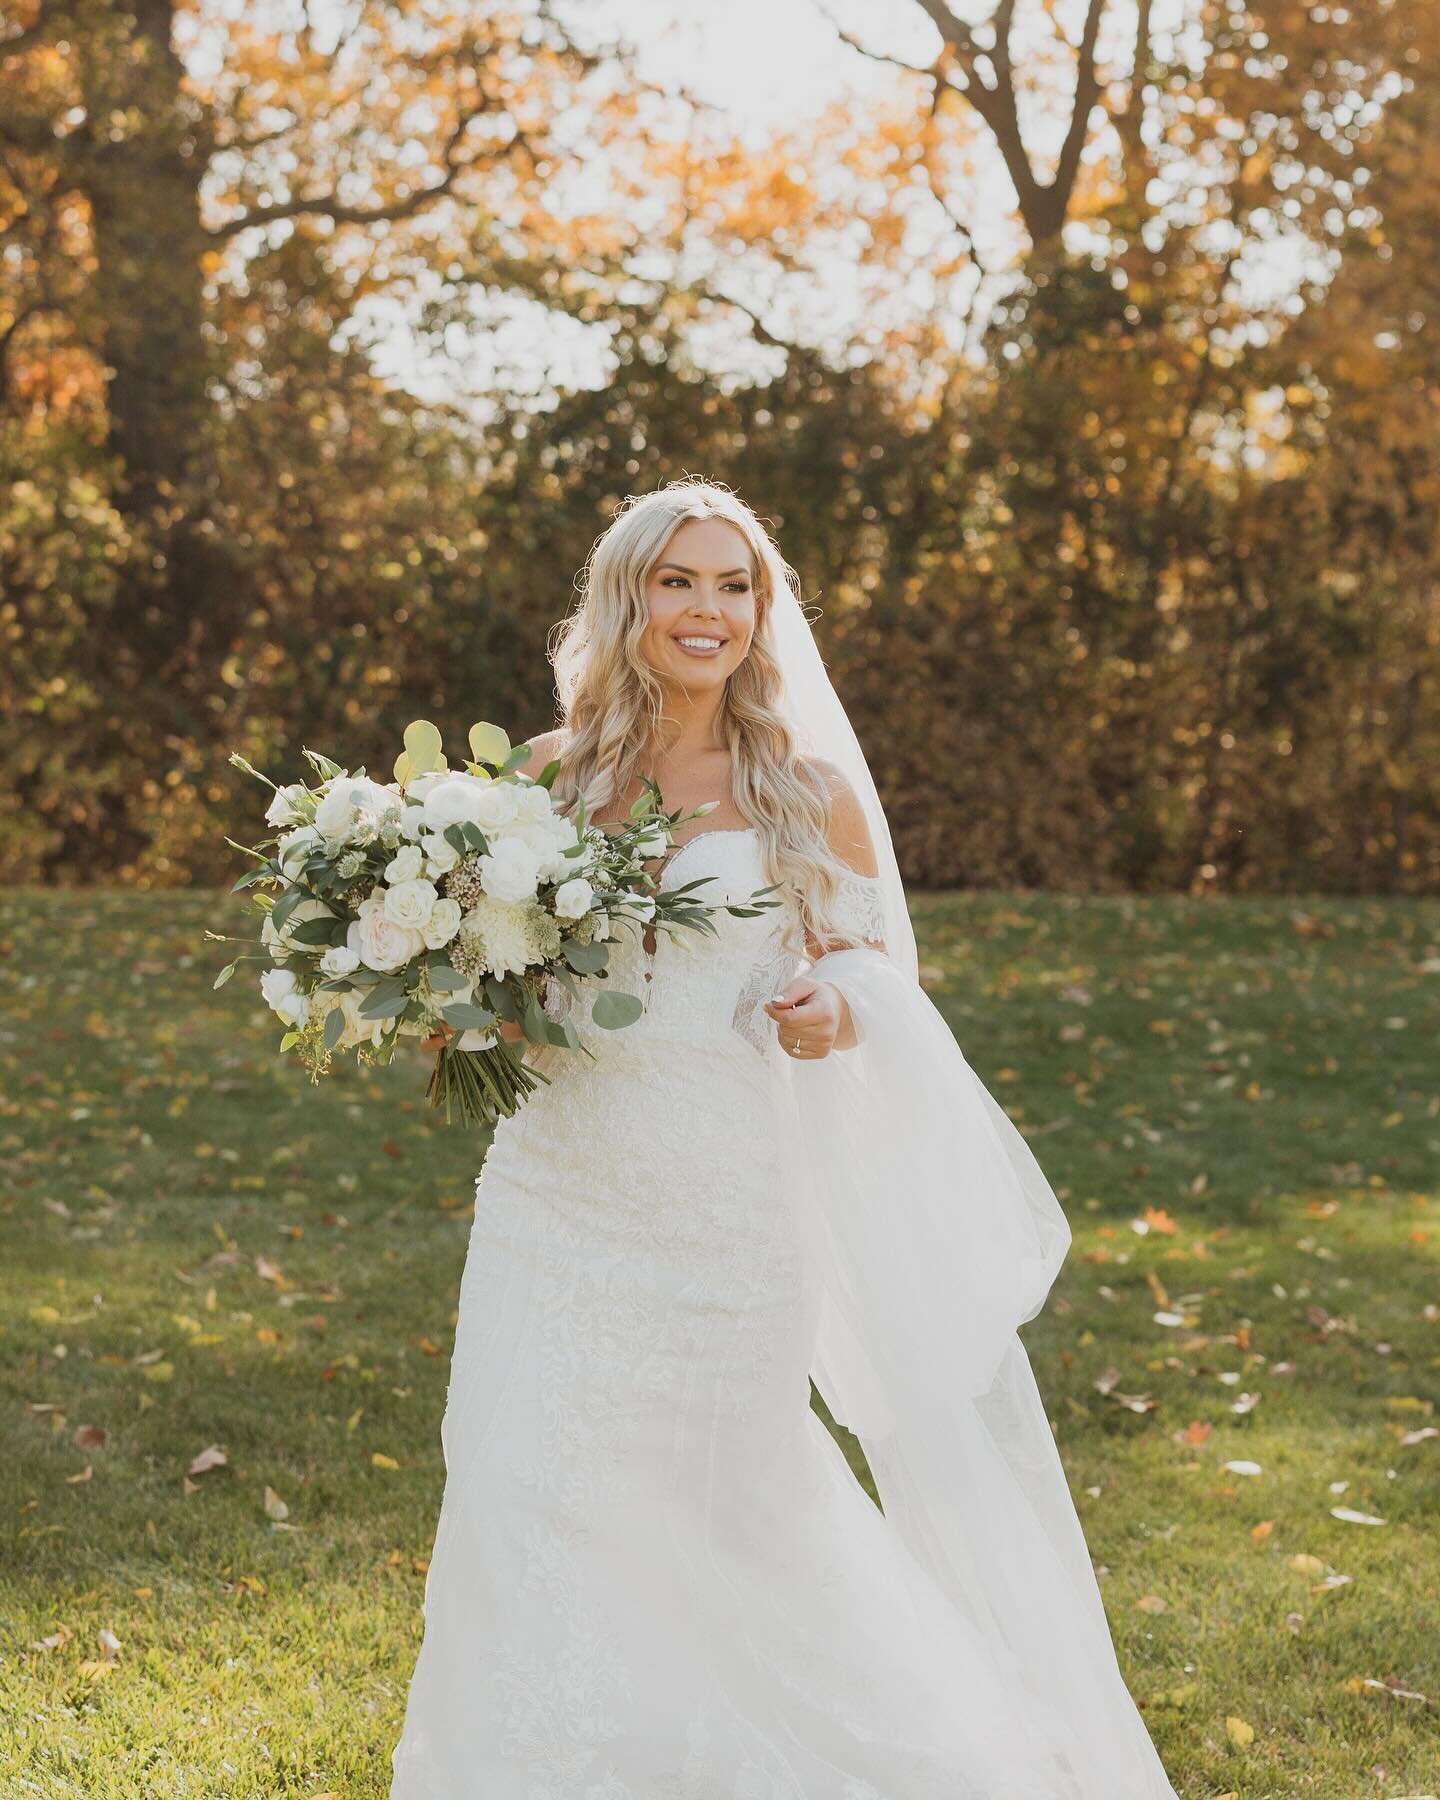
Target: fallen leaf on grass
x=275, y=1507
x=1239, y=1733
x=90, y=1437
x=212, y=1457
x=84, y=1475
x=1243, y=1468
x=381, y=1461
x=1351, y=1517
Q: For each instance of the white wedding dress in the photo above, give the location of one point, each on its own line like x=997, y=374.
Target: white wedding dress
x=654, y=1575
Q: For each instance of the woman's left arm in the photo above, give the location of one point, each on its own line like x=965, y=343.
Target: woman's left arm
x=812, y=1015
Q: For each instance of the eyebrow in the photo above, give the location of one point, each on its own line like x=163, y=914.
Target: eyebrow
x=684, y=571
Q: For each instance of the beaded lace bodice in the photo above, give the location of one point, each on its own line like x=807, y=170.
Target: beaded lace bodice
x=696, y=987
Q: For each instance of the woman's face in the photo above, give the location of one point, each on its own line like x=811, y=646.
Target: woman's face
x=702, y=605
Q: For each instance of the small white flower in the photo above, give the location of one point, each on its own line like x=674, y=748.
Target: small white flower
x=405, y=865
x=340, y=959
x=650, y=843
x=295, y=846
x=640, y=906
x=443, y=923
x=440, y=857
x=412, y=822
x=283, y=997
x=410, y=903
x=283, y=808
x=573, y=898
x=510, y=872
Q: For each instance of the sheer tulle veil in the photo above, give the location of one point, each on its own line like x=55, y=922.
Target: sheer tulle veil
x=931, y=1235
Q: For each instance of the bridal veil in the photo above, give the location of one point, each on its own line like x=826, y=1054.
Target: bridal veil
x=931, y=1235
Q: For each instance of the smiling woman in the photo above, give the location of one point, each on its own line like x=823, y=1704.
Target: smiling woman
x=655, y=1576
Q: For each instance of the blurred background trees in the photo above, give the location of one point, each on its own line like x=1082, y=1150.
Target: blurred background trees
x=1080, y=364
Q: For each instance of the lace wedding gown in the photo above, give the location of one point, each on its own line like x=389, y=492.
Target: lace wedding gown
x=654, y=1575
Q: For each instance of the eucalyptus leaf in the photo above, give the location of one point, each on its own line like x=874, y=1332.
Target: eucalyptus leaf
x=384, y=1006
x=425, y=746
x=613, y=1011
x=587, y=959
x=489, y=743
x=334, y=1027
x=446, y=980
x=464, y=1014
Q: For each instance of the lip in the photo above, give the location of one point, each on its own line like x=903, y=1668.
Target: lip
x=687, y=651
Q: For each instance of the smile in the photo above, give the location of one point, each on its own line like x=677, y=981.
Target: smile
x=701, y=645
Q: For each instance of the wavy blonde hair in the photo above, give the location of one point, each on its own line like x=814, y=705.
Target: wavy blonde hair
x=612, y=703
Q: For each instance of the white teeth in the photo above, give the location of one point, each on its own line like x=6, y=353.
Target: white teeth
x=701, y=643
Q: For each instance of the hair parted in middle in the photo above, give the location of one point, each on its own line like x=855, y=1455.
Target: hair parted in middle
x=613, y=704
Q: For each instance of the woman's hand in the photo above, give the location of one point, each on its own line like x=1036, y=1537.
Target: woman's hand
x=812, y=1018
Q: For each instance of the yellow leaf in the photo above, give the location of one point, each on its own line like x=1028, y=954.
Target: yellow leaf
x=275, y=1507
x=1239, y=1733
x=1306, y=1565
x=424, y=746
x=381, y=1461
x=44, y=1315
x=160, y=1371
x=489, y=744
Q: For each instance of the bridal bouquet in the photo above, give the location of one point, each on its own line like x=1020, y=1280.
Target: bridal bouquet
x=451, y=898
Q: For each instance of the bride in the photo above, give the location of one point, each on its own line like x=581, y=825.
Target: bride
x=655, y=1576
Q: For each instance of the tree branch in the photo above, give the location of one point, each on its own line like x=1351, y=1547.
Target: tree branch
x=329, y=207
x=1087, y=93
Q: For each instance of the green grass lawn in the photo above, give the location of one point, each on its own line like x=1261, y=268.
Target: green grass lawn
x=1238, y=1102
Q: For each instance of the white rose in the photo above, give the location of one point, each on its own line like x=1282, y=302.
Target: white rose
x=295, y=846
x=440, y=857
x=405, y=865
x=410, y=903
x=642, y=906
x=412, y=822
x=454, y=801
x=357, y=1030
x=353, y=807
x=300, y=914
x=498, y=807
x=283, y=997
x=602, y=928
x=382, y=944
x=340, y=959
x=573, y=898
x=443, y=923
x=419, y=786
x=283, y=808
x=510, y=872
x=652, y=843
x=533, y=802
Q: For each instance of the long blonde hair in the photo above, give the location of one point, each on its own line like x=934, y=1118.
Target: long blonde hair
x=612, y=703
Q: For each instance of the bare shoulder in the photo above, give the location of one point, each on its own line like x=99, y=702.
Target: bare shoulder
x=849, y=829
x=545, y=746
